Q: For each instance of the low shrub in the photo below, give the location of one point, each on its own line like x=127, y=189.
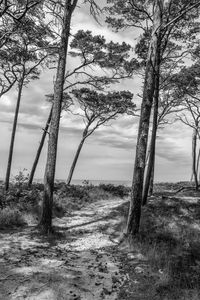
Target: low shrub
x=10, y=217
x=74, y=191
x=118, y=191
x=97, y=193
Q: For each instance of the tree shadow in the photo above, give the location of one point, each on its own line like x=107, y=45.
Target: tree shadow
x=46, y=272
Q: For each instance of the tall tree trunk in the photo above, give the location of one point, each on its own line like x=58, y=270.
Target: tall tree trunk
x=41, y=144
x=46, y=218
x=194, y=145
x=153, y=139
x=148, y=93
x=20, y=87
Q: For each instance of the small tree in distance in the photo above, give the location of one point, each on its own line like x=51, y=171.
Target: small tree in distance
x=97, y=110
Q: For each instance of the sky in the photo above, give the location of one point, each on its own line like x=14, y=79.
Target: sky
x=109, y=153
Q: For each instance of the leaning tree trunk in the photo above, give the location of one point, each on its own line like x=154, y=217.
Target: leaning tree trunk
x=151, y=159
x=194, y=145
x=84, y=136
x=149, y=86
x=46, y=219
x=35, y=163
x=75, y=161
x=20, y=87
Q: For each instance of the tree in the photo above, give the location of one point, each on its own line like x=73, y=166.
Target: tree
x=101, y=63
x=172, y=56
x=174, y=85
x=66, y=15
x=96, y=57
x=193, y=120
x=165, y=106
x=186, y=87
x=39, y=150
x=17, y=10
x=152, y=66
x=151, y=159
x=24, y=57
x=161, y=22
x=13, y=14
x=98, y=109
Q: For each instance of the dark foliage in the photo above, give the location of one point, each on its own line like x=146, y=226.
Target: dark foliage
x=118, y=191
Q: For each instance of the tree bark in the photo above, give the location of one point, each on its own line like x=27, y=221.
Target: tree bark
x=35, y=163
x=10, y=156
x=151, y=159
x=84, y=136
x=152, y=179
x=198, y=160
x=46, y=218
x=194, y=145
x=75, y=161
x=148, y=93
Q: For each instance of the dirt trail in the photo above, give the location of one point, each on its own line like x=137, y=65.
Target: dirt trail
x=77, y=264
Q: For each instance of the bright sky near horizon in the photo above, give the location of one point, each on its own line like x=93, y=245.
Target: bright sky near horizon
x=108, y=154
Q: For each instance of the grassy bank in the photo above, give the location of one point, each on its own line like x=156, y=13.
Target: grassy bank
x=163, y=261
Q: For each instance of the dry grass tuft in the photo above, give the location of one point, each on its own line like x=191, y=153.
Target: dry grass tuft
x=10, y=217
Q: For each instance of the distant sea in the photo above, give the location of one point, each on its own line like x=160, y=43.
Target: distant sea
x=94, y=182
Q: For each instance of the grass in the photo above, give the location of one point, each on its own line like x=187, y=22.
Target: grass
x=10, y=218
x=28, y=201
x=170, y=245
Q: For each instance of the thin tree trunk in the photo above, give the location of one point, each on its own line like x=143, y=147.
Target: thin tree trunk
x=198, y=160
x=148, y=93
x=153, y=141
x=46, y=218
x=194, y=145
x=35, y=163
x=75, y=162
x=84, y=136
x=20, y=87
x=152, y=179
x=191, y=178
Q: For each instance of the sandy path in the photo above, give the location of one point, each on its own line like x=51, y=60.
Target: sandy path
x=75, y=265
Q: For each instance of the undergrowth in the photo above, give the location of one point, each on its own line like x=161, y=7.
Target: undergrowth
x=25, y=201
x=170, y=245
x=10, y=217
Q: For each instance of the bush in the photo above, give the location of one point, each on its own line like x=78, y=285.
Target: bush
x=118, y=191
x=72, y=191
x=10, y=217
x=96, y=193
x=21, y=179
